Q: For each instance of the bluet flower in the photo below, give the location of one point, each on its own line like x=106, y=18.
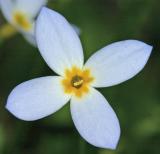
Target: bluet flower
x=21, y=14
x=76, y=82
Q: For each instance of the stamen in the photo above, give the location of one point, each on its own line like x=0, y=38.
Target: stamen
x=21, y=20
x=77, y=81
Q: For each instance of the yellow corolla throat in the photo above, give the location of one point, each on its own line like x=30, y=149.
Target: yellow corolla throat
x=21, y=20
x=77, y=81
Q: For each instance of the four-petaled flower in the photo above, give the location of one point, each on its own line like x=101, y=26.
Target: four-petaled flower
x=60, y=46
x=21, y=14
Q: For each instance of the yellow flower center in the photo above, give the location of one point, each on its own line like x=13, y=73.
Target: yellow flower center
x=77, y=81
x=21, y=20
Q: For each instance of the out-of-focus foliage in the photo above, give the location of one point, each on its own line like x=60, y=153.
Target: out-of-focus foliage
x=136, y=102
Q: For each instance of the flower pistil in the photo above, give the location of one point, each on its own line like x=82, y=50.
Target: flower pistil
x=77, y=81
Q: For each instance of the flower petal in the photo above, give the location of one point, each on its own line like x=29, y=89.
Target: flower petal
x=30, y=38
x=118, y=62
x=77, y=29
x=37, y=98
x=95, y=120
x=7, y=7
x=57, y=41
x=32, y=7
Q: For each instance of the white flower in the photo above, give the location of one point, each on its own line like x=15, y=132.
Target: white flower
x=21, y=14
x=61, y=48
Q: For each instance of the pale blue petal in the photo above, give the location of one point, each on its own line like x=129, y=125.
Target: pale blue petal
x=37, y=98
x=95, y=120
x=58, y=42
x=118, y=62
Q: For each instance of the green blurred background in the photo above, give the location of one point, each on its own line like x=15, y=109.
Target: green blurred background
x=136, y=102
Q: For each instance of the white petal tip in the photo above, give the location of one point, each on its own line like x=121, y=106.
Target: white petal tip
x=150, y=48
x=140, y=44
x=11, y=109
x=113, y=146
x=76, y=29
x=111, y=142
x=147, y=49
x=42, y=12
x=107, y=145
x=46, y=10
